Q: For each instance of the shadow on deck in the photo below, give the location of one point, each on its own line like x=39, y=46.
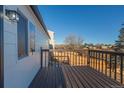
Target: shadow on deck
x=66, y=76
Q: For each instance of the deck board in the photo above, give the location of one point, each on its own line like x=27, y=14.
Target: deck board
x=103, y=77
x=64, y=75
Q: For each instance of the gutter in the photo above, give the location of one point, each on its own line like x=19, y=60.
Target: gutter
x=39, y=17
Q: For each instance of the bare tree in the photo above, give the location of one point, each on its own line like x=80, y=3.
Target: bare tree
x=120, y=42
x=73, y=42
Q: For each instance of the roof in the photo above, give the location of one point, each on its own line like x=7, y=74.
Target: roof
x=39, y=17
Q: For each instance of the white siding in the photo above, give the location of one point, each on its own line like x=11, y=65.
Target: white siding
x=19, y=73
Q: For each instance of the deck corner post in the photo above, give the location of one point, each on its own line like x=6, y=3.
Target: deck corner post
x=41, y=56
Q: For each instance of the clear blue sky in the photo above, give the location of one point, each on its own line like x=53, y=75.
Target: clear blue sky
x=96, y=24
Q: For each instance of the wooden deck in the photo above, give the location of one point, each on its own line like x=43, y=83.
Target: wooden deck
x=66, y=76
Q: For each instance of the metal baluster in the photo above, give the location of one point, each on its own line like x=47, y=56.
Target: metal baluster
x=84, y=58
x=121, y=70
x=106, y=64
x=81, y=58
x=115, y=67
x=76, y=58
x=61, y=57
x=99, y=61
x=91, y=59
x=64, y=56
x=110, y=65
x=73, y=57
x=102, y=62
x=96, y=60
x=70, y=58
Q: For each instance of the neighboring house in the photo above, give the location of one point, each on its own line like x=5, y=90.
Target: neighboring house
x=22, y=35
x=52, y=39
x=104, y=47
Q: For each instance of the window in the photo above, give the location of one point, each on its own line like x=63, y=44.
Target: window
x=22, y=36
x=50, y=46
x=32, y=37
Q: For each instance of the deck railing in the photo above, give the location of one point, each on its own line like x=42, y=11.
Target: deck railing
x=109, y=63
x=74, y=58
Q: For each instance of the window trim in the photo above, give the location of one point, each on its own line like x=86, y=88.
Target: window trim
x=26, y=19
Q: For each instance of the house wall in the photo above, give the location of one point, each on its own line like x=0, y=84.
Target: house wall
x=1, y=47
x=20, y=73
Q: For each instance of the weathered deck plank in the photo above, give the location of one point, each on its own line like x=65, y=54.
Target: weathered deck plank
x=64, y=75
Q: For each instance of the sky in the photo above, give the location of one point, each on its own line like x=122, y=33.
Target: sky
x=95, y=24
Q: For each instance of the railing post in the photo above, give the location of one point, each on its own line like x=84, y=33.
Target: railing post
x=51, y=56
x=88, y=58
x=41, y=56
